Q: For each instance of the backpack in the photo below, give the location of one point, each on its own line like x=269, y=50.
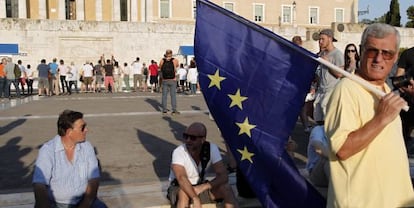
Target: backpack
x=145, y=71
x=17, y=71
x=168, y=69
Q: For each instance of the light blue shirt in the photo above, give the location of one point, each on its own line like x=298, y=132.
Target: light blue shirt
x=317, y=134
x=66, y=182
x=53, y=67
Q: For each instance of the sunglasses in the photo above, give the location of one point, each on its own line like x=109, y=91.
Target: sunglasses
x=191, y=137
x=83, y=127
x=373, y=52
x=352, y=50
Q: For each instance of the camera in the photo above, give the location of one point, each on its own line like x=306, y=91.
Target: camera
x=403, y=80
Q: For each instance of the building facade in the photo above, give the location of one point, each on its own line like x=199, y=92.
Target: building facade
x=280, y=13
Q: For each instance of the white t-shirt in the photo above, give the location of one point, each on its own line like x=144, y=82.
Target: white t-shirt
x=87, y=70
x=180, y=156
x=62, y=70
x=72, y=74
x=182, y=73
x=136, y=68
x=192, y=75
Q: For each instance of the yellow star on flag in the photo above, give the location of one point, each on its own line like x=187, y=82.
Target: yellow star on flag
x=237, y=99
x=246, y=155
x=245, y=127
x=215, y=80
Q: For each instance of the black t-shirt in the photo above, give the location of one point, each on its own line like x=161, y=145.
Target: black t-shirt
x=406, y=60
x=109, y=68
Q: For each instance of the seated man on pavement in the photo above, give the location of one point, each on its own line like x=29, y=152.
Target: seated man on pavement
x=66, y=172
x=188, y=168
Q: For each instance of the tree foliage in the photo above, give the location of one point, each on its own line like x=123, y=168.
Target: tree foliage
x=393, y=16
x=410, y=15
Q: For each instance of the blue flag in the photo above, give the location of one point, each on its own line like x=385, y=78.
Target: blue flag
x=254, y=83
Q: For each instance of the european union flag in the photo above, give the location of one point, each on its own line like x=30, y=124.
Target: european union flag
x=254, y=83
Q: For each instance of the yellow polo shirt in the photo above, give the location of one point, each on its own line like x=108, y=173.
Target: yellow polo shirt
x=377, y=176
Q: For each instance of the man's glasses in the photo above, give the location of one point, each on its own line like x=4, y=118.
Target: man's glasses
x=373, y=52
x=191, y=137
x=351, y=50
x=83, y=127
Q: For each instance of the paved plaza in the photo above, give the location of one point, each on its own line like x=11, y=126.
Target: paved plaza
x=133, y=141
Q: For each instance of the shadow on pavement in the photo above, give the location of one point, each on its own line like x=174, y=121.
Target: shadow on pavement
x=13, y=173
x=12, y=125
x=176, y=128
x=154, y=103
x=160, y=149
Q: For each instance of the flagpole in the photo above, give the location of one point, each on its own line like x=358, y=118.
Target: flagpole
x=355, y=78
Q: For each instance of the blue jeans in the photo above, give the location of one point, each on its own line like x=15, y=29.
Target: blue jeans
x=193, y=88
x=170, y=85
x=3, y=82
x=15, y=82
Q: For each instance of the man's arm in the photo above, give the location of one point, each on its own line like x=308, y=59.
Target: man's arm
x=90, y=193
x=161, y=63
x=388, y=109
x=185, y=184
x=400, y=71
x=220, y=179
x=41, y=196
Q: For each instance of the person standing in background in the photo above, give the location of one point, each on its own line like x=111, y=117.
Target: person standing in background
x=29, y=79
x=351, y=58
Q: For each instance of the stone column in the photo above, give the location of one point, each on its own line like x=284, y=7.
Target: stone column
x=2, y=8
x=22, y=9
x=42, y=9
x=61, y=10
x=80, y=10
x=116, y=12
x=134, y=11
x=98, y=4
x=149, y=11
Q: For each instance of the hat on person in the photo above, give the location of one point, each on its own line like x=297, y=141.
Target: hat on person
x=328, y=32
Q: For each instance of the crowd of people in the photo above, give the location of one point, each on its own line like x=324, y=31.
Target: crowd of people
x=107, y=75
x=357, y=148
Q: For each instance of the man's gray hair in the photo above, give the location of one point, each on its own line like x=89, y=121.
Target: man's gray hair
x=379, y=30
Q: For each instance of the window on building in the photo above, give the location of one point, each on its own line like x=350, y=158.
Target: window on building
x=314, y=15
x=229, y=6
x=12, y=9
x=70, y=9
x=287, y=14
x=124, y=10
x=258, y=12
x=165, y=8
x=339, y=15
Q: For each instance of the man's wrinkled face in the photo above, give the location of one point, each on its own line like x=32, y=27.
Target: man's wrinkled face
x=378, y=58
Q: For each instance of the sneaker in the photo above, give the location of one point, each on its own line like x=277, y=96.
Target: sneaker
x=164, y=113
x=175, y=113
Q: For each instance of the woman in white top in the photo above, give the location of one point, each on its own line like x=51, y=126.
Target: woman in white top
x=72, y=77
x=117, y=77
x=29, y=79
x=192, y=77
x=126, y=70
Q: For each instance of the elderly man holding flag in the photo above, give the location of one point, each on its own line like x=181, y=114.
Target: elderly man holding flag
x=368, y=162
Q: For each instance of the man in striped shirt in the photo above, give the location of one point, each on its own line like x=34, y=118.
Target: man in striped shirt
x=66, y=172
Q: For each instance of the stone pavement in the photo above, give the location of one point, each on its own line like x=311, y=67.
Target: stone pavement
x=133, y=142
